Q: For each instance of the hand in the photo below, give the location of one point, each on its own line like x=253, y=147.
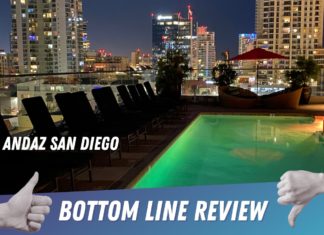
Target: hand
x=298, y=188
x=25, y=211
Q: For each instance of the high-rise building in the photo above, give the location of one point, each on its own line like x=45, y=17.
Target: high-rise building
x=3, y=63
x=135, y=57
x=102, y=60
x=204, y=52
x=292, y=28
x=171, y=32
x=140, y=58
x=247, y=42
x=6, y=66
x=146, y=59
x=48, y=36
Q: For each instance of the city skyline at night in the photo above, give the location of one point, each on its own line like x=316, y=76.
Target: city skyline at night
x=122, y=26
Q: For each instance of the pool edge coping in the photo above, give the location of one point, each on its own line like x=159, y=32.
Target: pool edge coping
x=132, y=183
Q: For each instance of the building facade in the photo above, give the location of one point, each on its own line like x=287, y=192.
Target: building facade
x=103, y=61
x=4, y=64
x=247, y=42
x=48, y=36
x=204, y=53
x=170, y=32
x=135, y=57
x=138, y=58
x=290, y=27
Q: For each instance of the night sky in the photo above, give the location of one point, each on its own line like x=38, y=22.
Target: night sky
x=124, y=25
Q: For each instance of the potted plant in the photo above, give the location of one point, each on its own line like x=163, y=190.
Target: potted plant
x=306, y=70
x=223, y=74
x=172, y=69
x=232, y=97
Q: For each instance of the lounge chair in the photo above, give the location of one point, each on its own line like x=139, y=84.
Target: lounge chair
x=164, y=100
x=112, y=113
x=126, y=98
x=4, y=132
x=17, y=167
x=82, y=121
x=150, y=91
x=167, y=106
x=44, y=126
x=135, y=104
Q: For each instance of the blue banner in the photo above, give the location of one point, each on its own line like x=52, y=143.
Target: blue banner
x=225, y=209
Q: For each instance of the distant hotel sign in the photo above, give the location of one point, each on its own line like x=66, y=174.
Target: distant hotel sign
x=162, y=17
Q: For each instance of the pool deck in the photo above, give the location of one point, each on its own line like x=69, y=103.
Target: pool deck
x=141, y=154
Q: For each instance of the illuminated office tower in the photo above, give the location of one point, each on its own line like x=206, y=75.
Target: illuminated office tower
x=204, y=52
x=290, y=27
x=247, y=42
x=171, y=32
x=48, y=36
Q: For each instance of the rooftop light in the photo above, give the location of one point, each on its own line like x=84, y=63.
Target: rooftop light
x=164, y=17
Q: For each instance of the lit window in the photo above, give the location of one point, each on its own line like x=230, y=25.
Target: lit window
x=33, y=38
x=47, y=15
x=286, y=30
x=287, y=20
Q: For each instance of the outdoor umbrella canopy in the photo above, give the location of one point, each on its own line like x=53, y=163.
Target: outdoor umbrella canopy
x=259, y=54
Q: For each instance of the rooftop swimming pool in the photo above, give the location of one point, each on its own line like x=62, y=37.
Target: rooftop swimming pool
x=223, y=149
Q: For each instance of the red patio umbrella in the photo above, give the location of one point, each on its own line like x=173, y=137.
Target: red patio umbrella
x=259, y=54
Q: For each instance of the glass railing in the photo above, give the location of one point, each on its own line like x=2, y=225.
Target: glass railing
x=268, y=81
x=14, y=88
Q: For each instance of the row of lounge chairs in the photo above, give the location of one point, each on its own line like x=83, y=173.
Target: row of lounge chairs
x=142, y=110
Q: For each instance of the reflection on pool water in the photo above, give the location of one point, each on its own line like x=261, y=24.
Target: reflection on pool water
x=222, y=149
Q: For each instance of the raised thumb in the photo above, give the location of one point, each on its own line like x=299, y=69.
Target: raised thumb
x=294, y=213
x=29, y=187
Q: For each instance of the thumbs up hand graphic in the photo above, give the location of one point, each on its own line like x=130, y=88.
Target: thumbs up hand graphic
x=25, y=211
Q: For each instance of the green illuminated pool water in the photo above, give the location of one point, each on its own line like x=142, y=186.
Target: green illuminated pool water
x=218, y=149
